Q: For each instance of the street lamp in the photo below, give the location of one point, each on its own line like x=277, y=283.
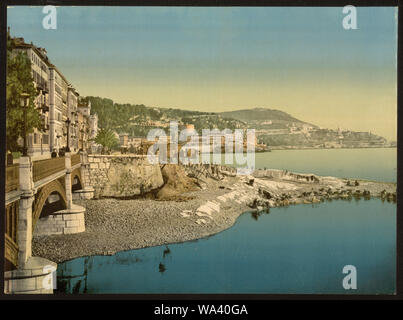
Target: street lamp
x=24, y=104
x=68, y=121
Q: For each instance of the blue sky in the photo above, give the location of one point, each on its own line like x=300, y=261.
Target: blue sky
x=299, y=60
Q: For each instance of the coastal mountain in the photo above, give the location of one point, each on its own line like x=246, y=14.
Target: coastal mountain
x=275, y=128
x=266, y=118
x=258, y=114
x=138, y=119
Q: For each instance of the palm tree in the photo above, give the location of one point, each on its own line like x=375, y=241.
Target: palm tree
x=106, y=138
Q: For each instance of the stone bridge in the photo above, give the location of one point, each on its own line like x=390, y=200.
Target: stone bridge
x=39, y=200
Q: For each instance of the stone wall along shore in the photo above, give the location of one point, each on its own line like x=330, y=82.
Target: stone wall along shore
x=121, y=175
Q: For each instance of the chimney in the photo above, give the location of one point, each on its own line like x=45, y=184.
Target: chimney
x=43, y=50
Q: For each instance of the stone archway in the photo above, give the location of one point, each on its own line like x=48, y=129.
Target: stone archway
x=76, y=174
x=41, y=197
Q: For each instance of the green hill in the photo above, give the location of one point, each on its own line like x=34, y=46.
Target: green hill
x=259, y=115
x=137, y=120
x=274, y=127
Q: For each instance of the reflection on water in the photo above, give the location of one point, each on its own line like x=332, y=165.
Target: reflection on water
x=161, y=267
x=166, y=251
x=256, y=214
x=296, y=249
x=74, y=280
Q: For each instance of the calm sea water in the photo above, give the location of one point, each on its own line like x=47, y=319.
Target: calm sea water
x=373, y=163
x=299, y=249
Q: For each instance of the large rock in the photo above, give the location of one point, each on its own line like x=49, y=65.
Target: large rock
x=176, y=182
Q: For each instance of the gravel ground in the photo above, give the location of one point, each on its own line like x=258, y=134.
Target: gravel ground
x=116, y=225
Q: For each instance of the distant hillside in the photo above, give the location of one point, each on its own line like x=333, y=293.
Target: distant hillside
x=138, y=119
x=275, y=128
x=259, y=115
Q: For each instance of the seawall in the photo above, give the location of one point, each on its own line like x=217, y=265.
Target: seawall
x=121, y=175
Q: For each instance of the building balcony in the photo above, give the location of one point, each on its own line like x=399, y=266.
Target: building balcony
x=45, y=88
x=45, y=108
x=44, y=123
x=45, y=127
x=40, y=85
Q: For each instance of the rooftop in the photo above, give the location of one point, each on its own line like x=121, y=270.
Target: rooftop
x=19, y=43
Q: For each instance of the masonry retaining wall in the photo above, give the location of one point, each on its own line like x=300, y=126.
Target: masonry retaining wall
x=121, y=175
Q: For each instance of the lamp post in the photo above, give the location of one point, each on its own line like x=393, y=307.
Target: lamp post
x=68, y=121
x=24, y=105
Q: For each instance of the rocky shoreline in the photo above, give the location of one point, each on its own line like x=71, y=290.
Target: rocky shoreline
x=114, y=225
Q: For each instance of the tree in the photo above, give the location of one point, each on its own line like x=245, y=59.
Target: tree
x=107, y=139
x=19, y=80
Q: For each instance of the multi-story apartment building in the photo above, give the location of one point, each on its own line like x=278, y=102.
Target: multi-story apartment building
x=93, y=118
x=72, y=106
x=90, y=122
x=60, y=106
x=38, y=141
x=84, y=113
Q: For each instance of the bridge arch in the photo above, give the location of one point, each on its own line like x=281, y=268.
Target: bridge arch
x=76, y=181
x=54, y=187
